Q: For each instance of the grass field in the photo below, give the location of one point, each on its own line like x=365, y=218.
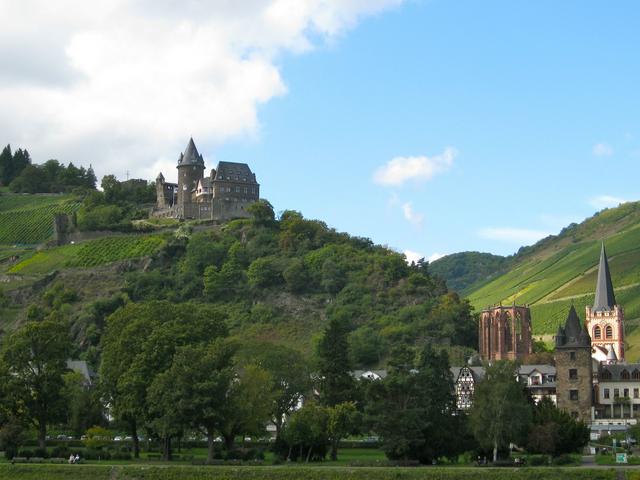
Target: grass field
x=89, y=254
x=138, y=472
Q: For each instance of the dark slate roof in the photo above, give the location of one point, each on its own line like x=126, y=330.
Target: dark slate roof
x=605, y=298
x=541, y=367
x=477, y=372
x=573, y=334
x=616, y=371
x=229, y=171
x=191, y=156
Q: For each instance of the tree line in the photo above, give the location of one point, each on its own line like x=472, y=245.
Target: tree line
x=170, y=370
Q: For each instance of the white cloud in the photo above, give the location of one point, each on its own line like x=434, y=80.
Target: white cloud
x=520, y=236
x=412, y=256
x=399, y=170
x=124, y=83
x=411, y=216
x=605, y=201
x=436, y=256
x=602, y=150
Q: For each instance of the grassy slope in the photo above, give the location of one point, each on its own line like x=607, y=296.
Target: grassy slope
x=561, y=270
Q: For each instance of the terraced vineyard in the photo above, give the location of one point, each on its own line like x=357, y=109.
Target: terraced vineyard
x=89, y=254
x=28, y=219
x=563, y=273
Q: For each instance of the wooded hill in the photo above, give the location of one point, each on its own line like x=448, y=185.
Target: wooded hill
x=561, y=270
x=277, y=281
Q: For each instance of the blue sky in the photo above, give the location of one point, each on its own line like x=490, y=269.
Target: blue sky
x=431, y=126
x=539, y=99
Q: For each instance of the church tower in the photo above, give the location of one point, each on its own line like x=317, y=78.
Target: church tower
x=574, y=388
x=605, y=320
x=190, y=170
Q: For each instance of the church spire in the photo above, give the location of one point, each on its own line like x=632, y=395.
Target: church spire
x=605, y=298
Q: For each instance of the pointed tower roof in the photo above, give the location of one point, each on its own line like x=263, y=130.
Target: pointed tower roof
x=605, y=298
x=611, y=355
x=573, y=334
x=190, y=156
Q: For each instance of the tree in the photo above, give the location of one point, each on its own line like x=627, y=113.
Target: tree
x=554, y=431
x=264, y=272
x=83, y=405
x=248, y=405
x=500, y=414
x=193, y=391
x=334, y=366
x=261, y=213
x=306, y=433
x=6, y=166
x=343, y=419
x=228, y=281
x=36, y=357
x=413, y=407
x=290, y=377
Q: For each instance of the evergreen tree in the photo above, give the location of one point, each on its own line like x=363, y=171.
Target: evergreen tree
x=6, y=166
x=334, y=365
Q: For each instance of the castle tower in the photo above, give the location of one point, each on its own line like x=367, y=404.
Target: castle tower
x=605, y=320
x=573, y=368
x=504, y=333
x=190, y=170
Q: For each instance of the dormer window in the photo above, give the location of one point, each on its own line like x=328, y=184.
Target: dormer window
x=608, y=331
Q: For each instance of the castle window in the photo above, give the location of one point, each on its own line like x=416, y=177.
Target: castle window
x=616, y=393
x=606, y=393
x=625, y=393
x=597, y=332
x=636, y=393
x=635, y=374
x=573, y=374
x=572, y=355
x=605, y=375
x=237, y=189
x=573, y=395
x=625, y=375
x=608, y=331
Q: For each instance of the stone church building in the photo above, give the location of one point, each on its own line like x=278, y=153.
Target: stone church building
x=222, y=195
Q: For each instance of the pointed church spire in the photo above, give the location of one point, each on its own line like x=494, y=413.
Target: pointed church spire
x=605, y=298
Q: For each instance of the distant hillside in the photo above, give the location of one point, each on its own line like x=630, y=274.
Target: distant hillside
x=463, y=270
x=561, y=270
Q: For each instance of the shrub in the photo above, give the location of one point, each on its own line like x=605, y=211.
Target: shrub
x=563, y=460
x=537, y=460
x=26, y=453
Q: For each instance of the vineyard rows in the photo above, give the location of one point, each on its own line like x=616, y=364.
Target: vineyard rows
x=111, y=249
x=31, y=225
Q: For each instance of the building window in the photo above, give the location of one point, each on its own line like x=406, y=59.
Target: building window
x=597, y=332
x=573, y=395
x=606, y=393
x=636, y=393
x=608, y=331
x=237, y=189
x=573, y=374
x=574, y=414
x=625, y=393
x=605, y=375
x=572, y=355
x=625, y=375
x=616, y=393
x=635, y=374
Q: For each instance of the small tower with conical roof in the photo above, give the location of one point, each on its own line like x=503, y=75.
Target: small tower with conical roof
x=190, y=170
x=605, y=320
x=574, y=371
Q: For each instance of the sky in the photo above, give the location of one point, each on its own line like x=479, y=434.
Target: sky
x=430, y=126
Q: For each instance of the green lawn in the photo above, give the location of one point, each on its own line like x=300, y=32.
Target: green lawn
x=108, y=472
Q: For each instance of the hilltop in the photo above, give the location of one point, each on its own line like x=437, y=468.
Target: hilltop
x=561, y=270
x=276, y=280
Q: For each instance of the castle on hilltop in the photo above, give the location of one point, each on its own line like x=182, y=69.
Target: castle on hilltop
x=222, y=195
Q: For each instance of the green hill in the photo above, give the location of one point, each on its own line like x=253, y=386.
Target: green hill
x=277, y=281
x=463, y=270
x=560, y=270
